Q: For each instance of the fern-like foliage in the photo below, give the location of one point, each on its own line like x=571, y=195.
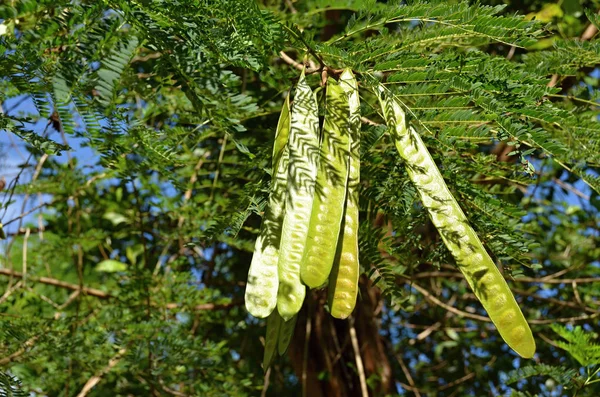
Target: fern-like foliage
x=10, y=386
x=582, y=345
x=561, y=375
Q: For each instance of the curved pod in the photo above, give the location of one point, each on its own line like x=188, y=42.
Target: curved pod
x=271, y=338
x=263, y=282
x=343, y=280
x=286, y=331
x=330, y=192
x=479, y=270
x=303, y=145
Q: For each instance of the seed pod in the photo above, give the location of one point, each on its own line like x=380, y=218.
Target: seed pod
x=330, y=194
x=303, y=145
x=263, y=281
x=286, y=331
x=473, y=261
x=271, y=338
x=343, y=280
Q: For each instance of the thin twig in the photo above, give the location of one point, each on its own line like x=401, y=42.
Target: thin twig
x=565, y=319
x=458, y=381
x=429, y=330
x=448, y=307
x=26, y=345
x=24, y=214
x=359, y=363
x=263, y=393
x=94, y=380
x=290, y=61
x=291, y=6
x=570, y=188
x=406, y=372
x=25, y=240
x=104, y=295
x=10, y=291
x=305, y=353
x=57, y=283
x=308, y=47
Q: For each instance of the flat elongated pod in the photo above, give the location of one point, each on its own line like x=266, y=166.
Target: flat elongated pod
x=263, y=281
x=343, y=280
x=283, y=133
x=286, y=331
x=303, y=145
x=271, y=338
x=330, y=192
x=479, y=270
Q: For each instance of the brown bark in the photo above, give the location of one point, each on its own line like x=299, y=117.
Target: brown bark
x=330, y=360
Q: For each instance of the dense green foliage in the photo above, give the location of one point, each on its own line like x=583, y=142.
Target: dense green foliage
x=137, y=141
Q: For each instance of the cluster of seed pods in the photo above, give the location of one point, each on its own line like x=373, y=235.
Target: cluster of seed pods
x=309, y=233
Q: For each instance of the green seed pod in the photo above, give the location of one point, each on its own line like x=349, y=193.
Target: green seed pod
x=271, y=338
x=479, y=270
x=286, y=331
x=343, y=280
x=263, y=281
x=330, y=195
x=303, y=145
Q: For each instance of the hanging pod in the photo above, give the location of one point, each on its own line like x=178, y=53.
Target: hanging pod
x=303, y=145
x=473, y=261
x=271, y=338
x=343, y=280
x=286, y=331
x=330, y=192
x=263, y=281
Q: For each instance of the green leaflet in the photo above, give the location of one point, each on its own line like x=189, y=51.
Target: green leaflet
x=330, y=195
x=303, y=147
x=271, y=338
x=286, y=331
x=479, y=270
x=343, y=280
x=263, y=282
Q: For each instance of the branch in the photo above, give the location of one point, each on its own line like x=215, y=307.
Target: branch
x=104, y=295
x=565, y=319
x=94, y=380
x=57, y=283
x=19, y=352
x=359, y=363
x=205, y=306
x=291, y=61
x=452, y=309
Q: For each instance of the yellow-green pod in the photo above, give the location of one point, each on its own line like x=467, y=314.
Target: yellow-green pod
x=303, y=145
x=343, y=280
x=330, y=192
x=286, y=331
x=271, y=338
x=263, y=281
x=479, y=270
